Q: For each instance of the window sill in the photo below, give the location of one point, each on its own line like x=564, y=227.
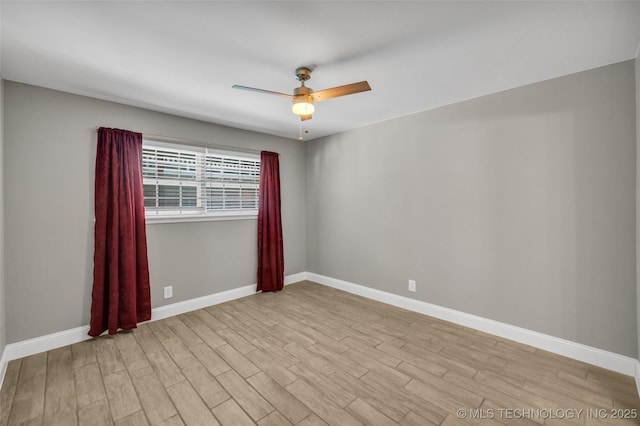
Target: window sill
x=153, y=220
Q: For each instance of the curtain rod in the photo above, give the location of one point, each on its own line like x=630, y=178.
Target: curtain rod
x=161, y=138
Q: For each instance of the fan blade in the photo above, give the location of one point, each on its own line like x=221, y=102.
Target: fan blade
x=268, y=92
x=305, y=117
x=334, y=92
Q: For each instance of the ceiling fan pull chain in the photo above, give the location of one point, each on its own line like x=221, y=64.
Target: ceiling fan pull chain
x=300, y=137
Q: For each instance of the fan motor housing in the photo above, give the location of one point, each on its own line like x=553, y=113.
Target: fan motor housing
x=302, y=90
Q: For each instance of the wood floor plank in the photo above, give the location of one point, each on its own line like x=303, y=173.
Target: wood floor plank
x=496, y=410
x=367, y=414
x=260, y=312
x=288, y=405
x=372, y=364
x=477, y=358
x=199, y=327
x=312, y=420
x=237, y=361
x=154, y=399
x=292, y=335
x=147, y=339
x=270, y=366
x=320, y=405
x=219, y=313
x=558, y=362
x=555, y=387
x=324, y=384
x=210, y=359
x=376, y=397
x=611, y=379
x=441, y=360
x=324, y=340
x=314, y=360
x=28, y=401
x=89, y=386
x=230, y=413
x=379, y=355
x=342, y=362
x=179, y=352
x=433, y=395
x=133, y=356
x=497, y=397
x=13, y=371
x=161, y=330
x=412, y=419
x=249, y=399
x=423, y=407
x=59, y=367
x=191, y=408
x=208, y=388
x=327, y=326
x=173, y=421
x=275, y=351
x=121, y=395
x=413, y=359
x=234, y=309
x=184, y=333
x=535, y=400
x=208, y=319
x=135, y=419
x=83, y=353
x=274, y=419
x=8, y=390
x=60, y=403
x=462, y=395
x=108, y=355
x=95, y=414
x=597, y=389
x=240, y=344
x=167, y=371
x=34, y=365
x=376, y=335
x=247, y=333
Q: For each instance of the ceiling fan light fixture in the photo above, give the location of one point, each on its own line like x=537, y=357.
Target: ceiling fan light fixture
x=303, y=97
x=303, y=105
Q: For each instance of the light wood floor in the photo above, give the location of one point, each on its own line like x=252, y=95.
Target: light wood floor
x=309, y=355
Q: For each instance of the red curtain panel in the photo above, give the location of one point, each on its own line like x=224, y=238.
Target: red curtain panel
x=121, y=294
x=270, y=248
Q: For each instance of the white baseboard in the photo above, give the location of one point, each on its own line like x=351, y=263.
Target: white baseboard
x=178, y=308
x=4, y=362
x=295, y=278
x=68, y=337
x=599, y=357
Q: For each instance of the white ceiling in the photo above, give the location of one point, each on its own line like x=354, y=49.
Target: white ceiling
x=182, y=57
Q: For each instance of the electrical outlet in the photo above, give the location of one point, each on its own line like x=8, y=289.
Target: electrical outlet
x=412, y=285
x=168, y=292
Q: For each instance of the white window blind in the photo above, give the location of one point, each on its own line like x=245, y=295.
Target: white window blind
x=191, y=181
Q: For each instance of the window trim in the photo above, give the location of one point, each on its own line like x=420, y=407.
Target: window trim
x=152, y=220
x=221, y=215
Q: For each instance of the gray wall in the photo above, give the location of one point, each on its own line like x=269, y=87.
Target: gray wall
x=637, y=66
x=3, y=320
x=50, y=140
x=517, y=206
x=3, y=316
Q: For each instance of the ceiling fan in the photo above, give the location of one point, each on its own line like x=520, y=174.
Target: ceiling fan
x=304, y=97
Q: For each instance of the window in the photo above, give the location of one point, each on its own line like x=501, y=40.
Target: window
x=182, y=181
